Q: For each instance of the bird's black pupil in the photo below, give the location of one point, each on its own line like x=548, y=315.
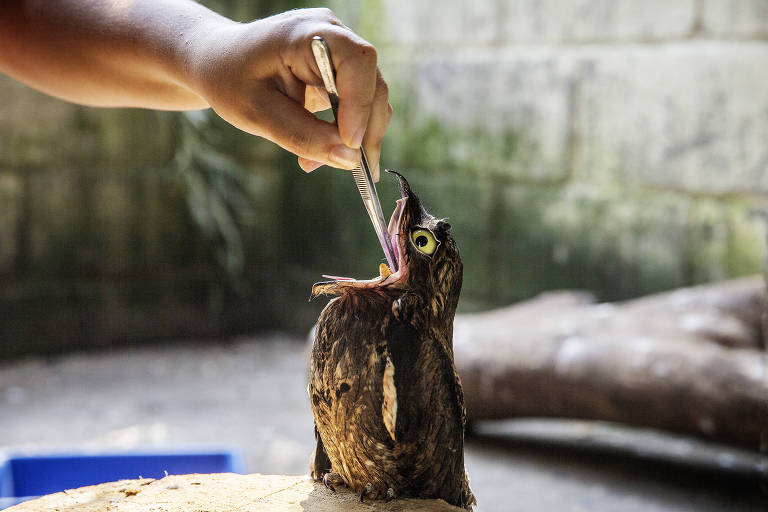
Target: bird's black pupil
x=421, y=241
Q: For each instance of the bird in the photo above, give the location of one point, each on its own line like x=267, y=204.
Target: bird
x=387, y=401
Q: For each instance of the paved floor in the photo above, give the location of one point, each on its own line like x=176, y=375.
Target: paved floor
x=250, y=393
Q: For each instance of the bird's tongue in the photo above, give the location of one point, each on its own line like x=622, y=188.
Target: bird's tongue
x=339, y=278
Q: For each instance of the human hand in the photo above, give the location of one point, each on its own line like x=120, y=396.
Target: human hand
x=262, y=78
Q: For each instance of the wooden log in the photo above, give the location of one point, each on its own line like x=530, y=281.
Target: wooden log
x=687, y=361
x=224, y=492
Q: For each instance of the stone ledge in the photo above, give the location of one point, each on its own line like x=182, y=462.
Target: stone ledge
x=224, y=492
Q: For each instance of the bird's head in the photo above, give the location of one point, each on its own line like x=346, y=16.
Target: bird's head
x=429, y=265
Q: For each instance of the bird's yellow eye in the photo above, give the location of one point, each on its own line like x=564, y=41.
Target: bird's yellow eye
x=424, y=241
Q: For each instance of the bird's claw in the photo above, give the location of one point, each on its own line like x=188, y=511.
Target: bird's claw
x=331, y=480
x=368, y=489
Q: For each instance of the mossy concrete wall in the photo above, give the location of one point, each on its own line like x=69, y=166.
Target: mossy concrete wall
x=619, y=146
x=614, y=146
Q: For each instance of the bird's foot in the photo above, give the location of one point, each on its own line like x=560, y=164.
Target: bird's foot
x=467, y=499
x=331, y=480
x=369, y=491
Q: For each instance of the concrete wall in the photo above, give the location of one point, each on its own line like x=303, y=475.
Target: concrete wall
x=612, y=145
x=618, y=145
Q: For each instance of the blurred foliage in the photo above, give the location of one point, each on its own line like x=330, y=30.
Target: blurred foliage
x=222, y=189
x=221, y=193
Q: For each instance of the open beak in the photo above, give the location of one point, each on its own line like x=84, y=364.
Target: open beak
x=386, y=276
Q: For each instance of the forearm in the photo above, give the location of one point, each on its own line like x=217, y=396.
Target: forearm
x=106, y=53
x=175, y=55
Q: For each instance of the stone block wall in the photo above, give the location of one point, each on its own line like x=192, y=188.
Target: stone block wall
x=619, y=146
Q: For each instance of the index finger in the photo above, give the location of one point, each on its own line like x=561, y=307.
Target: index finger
x=356, y=75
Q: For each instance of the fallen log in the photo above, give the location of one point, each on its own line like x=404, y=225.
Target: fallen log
x=225, y=492
x=688, y=361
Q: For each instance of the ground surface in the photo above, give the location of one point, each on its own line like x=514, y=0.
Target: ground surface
x=251, y=393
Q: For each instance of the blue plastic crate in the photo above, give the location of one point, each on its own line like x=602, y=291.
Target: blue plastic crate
x=22, y=477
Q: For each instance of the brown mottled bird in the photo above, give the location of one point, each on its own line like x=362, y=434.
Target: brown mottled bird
x=388, y=404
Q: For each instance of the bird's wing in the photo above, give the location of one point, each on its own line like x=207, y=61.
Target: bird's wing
x=446, y=357
x=347, y=368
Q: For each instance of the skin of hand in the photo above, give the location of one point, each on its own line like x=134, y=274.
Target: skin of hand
x=177, y=55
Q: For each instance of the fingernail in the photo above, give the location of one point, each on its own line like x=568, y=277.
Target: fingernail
x=344, y=156
x=357, y=139
x=310, y=165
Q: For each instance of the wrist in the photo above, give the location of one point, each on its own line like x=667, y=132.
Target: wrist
x=200, y=49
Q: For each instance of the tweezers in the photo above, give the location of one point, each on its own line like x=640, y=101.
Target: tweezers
x=361, y=173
